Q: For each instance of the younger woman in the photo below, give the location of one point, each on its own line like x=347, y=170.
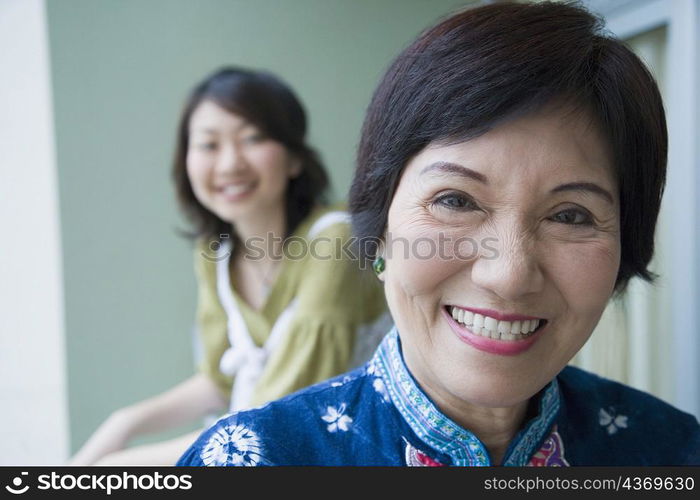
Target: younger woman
x=280, y=305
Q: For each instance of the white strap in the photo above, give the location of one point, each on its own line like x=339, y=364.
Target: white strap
x=244, y=359
x=327, y=220
x=237, y=329
x=242, y=346
x=254, y=364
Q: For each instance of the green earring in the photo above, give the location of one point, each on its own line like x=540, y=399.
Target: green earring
x=379, y=265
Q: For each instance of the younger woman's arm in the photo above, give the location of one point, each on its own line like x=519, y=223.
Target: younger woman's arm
x=184, y=403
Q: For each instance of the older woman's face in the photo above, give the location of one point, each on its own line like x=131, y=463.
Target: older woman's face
x=537, y=197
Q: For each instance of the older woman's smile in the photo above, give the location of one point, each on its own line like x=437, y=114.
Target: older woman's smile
x=494, y=332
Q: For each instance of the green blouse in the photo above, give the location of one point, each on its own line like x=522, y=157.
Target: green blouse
x=336, y=301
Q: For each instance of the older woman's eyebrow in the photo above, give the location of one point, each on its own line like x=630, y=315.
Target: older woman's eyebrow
x=586, y=187
x=446, y=167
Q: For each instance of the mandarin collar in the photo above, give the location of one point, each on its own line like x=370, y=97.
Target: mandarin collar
x=443, y=434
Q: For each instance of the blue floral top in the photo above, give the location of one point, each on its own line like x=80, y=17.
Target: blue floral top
x=378, y=415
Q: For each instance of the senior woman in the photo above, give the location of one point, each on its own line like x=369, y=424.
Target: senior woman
x=511, y=168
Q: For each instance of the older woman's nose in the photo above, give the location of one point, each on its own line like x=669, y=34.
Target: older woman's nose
x=511, y=270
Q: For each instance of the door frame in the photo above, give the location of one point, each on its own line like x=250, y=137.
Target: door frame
x=682, y=195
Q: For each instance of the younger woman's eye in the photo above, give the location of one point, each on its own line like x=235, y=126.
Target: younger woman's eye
x=456, y=201
x=206, y=146
x=254, y=138
x=573, y=217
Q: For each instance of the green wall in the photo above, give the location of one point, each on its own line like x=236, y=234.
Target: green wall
x=120, y=70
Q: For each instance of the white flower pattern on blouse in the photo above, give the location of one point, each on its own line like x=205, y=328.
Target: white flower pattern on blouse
x=232, y=444
x=379, y=386
x=336, y=418
x=371, y=368
x=611, y=421
x=342, y=381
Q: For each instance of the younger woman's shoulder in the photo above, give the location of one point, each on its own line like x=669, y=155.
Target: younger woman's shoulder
x=327, y=220
x=204, y=254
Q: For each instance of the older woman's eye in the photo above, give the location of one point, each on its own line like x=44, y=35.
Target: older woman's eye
x=573, y=217
x=456, y=201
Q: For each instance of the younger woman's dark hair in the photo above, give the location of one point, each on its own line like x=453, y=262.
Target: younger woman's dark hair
x=269, y=104
x=486, y=65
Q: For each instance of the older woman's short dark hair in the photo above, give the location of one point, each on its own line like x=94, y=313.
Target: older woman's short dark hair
x=483, y=66
x=268, y=103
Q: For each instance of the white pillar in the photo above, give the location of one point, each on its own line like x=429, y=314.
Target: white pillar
x=683, y=188
x=33, y=419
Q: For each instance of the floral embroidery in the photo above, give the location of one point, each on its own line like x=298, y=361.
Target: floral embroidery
x=416, y=458
x=336, y=418
x=551, y=454
x=371, y=367
x=232, y=444
x=379, y=386
x=372, y=370
x=611, y=421
x=342, y=382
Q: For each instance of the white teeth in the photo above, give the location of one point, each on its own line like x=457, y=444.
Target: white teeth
x=490, y=323
x=235, y=189
x=489, y=327
x=468, y=318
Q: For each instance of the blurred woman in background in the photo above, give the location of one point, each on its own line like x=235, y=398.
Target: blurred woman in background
x=279, y=306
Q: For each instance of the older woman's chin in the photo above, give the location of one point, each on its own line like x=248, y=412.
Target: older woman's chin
x=499, y=393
